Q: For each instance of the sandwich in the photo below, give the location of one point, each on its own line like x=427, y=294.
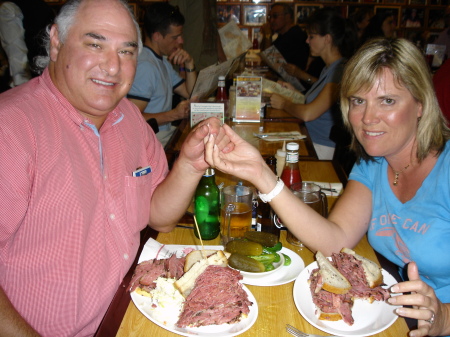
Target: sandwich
x=338, y=282
x=211, y=292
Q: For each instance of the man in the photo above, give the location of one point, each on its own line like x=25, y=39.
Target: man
x=72, y=198
x=22, y=23
x=291, y=40
x=155, y=79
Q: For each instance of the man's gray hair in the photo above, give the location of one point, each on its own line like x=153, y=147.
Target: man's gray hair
x=65, y=20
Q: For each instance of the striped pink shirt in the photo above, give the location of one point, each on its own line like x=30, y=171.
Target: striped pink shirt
x=70, y=210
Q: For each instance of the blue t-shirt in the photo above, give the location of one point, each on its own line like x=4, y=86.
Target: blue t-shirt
x=319, y=129
x=419, y=229
x=154, y=82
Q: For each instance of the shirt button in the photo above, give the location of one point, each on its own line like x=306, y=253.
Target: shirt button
x=105, y=177
x=125, y=256
x=112, y=216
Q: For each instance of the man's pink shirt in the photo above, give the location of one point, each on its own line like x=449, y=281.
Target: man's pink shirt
x=71, y=211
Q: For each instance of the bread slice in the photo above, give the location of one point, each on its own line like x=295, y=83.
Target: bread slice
x=371, y=269
x=327, y=316
x=186, y=283
x=332, y=279
x=197, y=255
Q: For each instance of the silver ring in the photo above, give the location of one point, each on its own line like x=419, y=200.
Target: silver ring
x=431, y=320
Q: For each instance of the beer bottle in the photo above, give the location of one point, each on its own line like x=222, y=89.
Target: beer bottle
x=207, y=206
x=265, y=221
x=291, y=171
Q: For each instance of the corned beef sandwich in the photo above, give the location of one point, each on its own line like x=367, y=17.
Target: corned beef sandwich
x=337, y=283
x=212, y=291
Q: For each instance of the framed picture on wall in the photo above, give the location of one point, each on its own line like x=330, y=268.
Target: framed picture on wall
x=227, y=13
x=254, y=15
x=413, y=17
x=303, y=11
x=436, y=18
x=394, y=1
x=395, y=11
x=417, y=2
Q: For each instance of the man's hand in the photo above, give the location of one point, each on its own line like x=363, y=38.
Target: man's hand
x=181, y=111
x=425, y=305
x=193, y=149
x=181, y=57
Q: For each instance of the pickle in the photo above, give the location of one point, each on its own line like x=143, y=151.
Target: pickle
x=269, y=267
x=265, y=239
x=245, y=263
x=244, y=247
x=275, y=248
x=264, y=258
x=287, y=259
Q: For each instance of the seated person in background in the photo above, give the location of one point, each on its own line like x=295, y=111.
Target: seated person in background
x=291, y=42
x=71, y=209
x=22, y=24
x=333, y=39
x=398, y=192
x=382, y=24
x=155, y=79
x=361, y=18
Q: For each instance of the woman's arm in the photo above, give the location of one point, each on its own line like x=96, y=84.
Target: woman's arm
x=345, y=226
x=313, y=110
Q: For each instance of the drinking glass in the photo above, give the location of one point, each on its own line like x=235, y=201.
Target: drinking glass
x=236, y=212
x=311, y=195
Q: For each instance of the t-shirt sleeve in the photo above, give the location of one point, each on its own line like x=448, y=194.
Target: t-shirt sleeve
x=144, y=82
x=361, y=172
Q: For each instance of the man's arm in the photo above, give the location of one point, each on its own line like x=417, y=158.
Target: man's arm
x=181, y=58
x=181, y=111
x=173, y=196
x=11, y=323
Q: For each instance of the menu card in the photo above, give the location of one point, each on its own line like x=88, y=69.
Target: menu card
x=273, y=58
x=248, y=98
x=202, y=111
x=233, y=40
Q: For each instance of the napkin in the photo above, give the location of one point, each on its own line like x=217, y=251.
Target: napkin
x=330, y=189
x=280, y=136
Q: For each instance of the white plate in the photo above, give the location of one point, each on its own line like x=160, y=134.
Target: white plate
x=284, y=275
x=370, y=318
x=144, y=303
x=150, y=251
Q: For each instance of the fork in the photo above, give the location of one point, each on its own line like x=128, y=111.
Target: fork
x=296, y=332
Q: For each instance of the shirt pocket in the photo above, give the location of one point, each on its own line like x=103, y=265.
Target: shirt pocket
x=138, y=192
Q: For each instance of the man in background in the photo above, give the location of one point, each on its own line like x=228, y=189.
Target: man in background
x=22, y=25
x=155, y=79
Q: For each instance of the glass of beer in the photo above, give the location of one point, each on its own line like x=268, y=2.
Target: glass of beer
x=235, y=212
x=311, y=195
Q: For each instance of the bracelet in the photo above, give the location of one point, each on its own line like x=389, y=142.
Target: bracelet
x=190, y=70
x=308, y=80
x=272, y=194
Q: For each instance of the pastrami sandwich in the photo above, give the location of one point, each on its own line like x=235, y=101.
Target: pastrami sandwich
x=337, y=283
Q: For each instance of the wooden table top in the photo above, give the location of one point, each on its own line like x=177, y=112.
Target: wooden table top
x=276, y=304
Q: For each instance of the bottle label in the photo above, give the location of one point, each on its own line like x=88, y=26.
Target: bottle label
x=292, y=157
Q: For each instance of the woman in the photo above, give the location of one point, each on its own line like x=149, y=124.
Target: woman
x=333, y=39
x=398, y=192
x=381, y=24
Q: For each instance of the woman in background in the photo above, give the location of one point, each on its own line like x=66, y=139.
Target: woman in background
x=381, y=24
x=333, y=39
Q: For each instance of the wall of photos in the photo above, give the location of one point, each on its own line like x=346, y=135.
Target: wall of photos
x=417, y=20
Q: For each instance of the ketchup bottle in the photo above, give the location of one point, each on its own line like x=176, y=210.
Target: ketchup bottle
x=221, y=95
x=291, y=171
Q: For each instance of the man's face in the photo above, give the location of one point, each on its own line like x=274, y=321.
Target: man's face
x=94, y=68
x=279, y=20
x=171, y=42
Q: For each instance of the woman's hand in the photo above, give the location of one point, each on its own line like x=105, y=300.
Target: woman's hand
x=277, y=102
x=244, y=161
x=433, y=316
x=291, y=69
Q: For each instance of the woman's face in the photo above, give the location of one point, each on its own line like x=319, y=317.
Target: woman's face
x=384, y=119
x=388, y=26
x=316, y=44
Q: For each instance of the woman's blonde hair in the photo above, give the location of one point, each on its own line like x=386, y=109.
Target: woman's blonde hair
x=410, y=70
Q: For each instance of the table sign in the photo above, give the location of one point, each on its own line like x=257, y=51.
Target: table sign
x=202, y=111
x=248, y=99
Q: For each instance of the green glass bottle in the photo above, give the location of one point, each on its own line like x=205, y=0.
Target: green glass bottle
x=207, y=206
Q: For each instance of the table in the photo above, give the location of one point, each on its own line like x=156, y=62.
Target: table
x=276, y=304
